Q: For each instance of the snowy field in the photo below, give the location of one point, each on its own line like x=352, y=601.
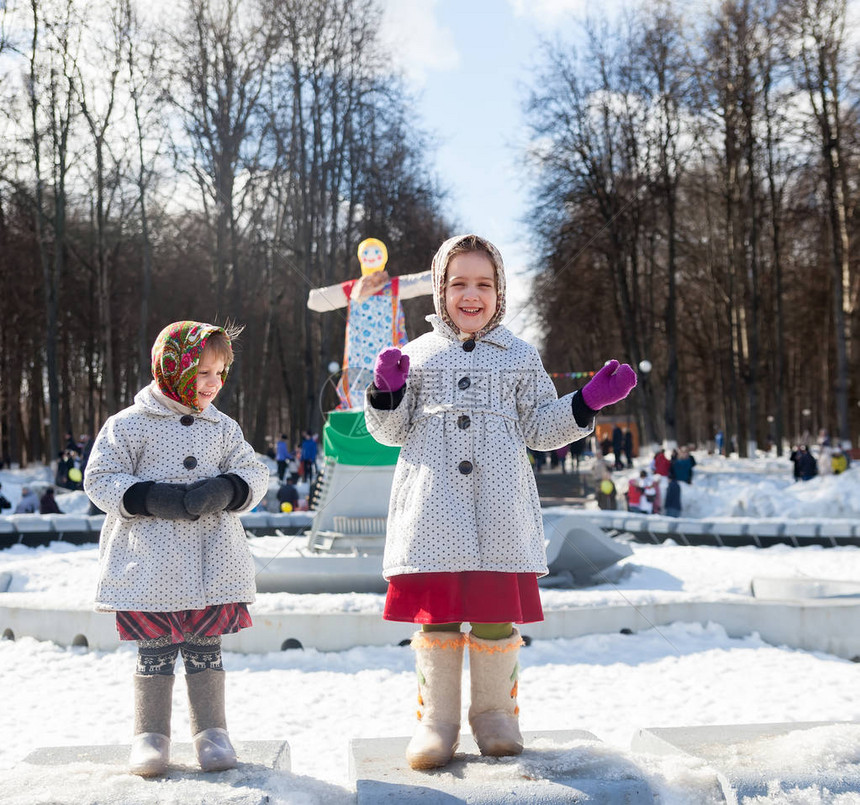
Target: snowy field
x=608, y=684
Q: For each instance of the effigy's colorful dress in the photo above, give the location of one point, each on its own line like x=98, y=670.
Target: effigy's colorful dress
x=374, y=323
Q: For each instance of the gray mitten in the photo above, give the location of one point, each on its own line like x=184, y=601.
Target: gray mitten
x=209, y=495
x=168, y=502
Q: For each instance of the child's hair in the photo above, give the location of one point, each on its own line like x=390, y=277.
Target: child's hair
x=468, y=244
x=221, y=342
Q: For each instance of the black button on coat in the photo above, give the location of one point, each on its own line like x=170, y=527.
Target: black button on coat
x=439, y=519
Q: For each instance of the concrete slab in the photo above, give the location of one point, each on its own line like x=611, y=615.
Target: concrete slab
x=97, y=775
x=802, y=588
x=761, y=760
x=570, y=766
x=269, y=754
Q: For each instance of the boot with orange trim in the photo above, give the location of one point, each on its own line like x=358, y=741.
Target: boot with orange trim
x=439, y=664
x=494, y=713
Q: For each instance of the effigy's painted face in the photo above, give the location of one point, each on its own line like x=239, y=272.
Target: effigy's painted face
x=372, y=255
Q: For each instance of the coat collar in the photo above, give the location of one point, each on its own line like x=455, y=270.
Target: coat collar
x=154, y=402
x=499, y=336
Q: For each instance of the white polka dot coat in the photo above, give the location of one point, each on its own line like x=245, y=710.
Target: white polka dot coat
x=153, y=565
x=464, y=495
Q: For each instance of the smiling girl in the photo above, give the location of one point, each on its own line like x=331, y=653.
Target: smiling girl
x=172, y=474
x=465, y=535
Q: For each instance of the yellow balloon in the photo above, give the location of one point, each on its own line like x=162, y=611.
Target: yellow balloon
x=286, y=506
x=75, y=475
x=606, y=486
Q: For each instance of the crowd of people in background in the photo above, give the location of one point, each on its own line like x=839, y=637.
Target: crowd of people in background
x=830, y=458
x=294, y=466
x=72, y=462
x=656, y=490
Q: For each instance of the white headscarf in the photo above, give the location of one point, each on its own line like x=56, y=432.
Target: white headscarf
x=439, y=270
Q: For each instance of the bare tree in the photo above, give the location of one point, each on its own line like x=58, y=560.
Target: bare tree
x=52, y=67
x=142, y=52
x=666, y=80
x=820, y=26
x=96, y=89
x=589, y=118
x=226, y=49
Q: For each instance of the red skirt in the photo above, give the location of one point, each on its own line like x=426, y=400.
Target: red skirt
x=472, y=596
x=215, y=620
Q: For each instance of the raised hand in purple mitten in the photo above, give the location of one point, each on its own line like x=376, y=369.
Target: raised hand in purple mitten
x=611, y=384
x=391, y=369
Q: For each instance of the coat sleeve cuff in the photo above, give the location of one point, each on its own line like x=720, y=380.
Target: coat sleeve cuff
x=240, y=491
x=581, y=412
x=384, y=400
x=134, y=499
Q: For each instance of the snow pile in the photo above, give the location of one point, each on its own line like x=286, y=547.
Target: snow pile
x=608, y=684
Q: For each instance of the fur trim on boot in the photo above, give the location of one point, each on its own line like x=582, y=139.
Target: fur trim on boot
x=494, y=713
x=153, y=704
x=439, y=665
x=212, y=744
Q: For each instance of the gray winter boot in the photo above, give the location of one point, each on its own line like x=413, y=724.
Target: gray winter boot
x=494, y=713
x=208, y=721
x=150, y=747
x=439, y=664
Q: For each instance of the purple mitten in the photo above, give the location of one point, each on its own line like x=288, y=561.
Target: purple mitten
x=611, y=384
x=391, y=369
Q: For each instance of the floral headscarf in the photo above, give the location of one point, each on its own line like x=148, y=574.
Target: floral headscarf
x=175, y=354
x=439, y=270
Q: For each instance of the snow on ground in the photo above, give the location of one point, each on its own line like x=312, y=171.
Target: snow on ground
x=608, y=684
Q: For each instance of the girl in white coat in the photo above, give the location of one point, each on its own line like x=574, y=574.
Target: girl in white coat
x=465, y=535
x=172, y=472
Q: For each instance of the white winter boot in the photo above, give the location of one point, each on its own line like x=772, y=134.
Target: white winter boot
x=494, y=713
x=153, y=703
x=439, y=664
x=212, y=744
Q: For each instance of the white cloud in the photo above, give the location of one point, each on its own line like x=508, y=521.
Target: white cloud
x=548, y=12
x=418, y=43
x=547, y=15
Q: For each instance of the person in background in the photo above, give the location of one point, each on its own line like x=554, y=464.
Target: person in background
x=464, y=538
x=794, y=458
x=48, y=503
x=29, y=503
x=65, y=463
x=4, y=501
x=807, y=466
x=618, y=446
x=71, y=445
x=672, y=505
x=653, y=493
x=577, y=449
x=605, y=446
x=606, y=494
x=309, y=456
x=282, y=456
x=628, y=447
x=561, y=454
x=172, y=474
x=287, y=493
x=643, y=494
x=634, y=495
x=682, y=466
x=838, y=461
x=660, y=464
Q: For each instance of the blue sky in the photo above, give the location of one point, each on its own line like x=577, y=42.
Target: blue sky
x=469, y=60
